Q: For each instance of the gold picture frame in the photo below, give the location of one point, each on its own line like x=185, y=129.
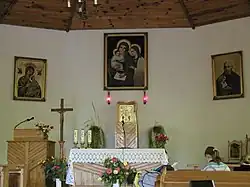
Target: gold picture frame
x=29, y=79
x=227, y=72
x=235, y=151
x=126, y=61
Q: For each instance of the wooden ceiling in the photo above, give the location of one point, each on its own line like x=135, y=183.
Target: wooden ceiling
x=121, y=14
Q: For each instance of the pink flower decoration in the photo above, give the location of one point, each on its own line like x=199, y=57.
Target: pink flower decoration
x=109, y=171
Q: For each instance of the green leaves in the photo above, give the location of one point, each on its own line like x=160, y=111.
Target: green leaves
x=116, y=171
x=55, y=168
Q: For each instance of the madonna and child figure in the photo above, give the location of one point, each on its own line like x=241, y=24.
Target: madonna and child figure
x=28, y=85
x=127, y=65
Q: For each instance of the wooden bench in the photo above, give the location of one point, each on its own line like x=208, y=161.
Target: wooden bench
x=221, y=178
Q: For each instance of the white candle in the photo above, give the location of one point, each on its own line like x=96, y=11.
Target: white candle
x=82, y=139
x=69, y=4
x=95, y=2
x=89, y=136
x=75, y=136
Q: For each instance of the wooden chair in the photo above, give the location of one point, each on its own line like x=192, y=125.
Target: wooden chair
x=12, y=176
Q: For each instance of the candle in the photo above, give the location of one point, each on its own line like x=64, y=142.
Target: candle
x=75, y=136
x=69, y=4
x=82, y=136
x=95, y=2
x=89, y=136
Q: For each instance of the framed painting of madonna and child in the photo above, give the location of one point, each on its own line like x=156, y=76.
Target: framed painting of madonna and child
x=29, y=79
x=227, y=75
x=126, y=61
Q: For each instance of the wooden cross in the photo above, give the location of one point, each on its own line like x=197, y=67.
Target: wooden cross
x=61, y=111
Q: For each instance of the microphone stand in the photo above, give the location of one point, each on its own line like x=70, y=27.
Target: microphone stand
x=20, y=123
x=124, y=135
x=29, y=119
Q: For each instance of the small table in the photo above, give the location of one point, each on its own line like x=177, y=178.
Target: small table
x=90, y=162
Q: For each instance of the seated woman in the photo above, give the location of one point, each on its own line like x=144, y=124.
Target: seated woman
x=214, y=160
x=245, y=165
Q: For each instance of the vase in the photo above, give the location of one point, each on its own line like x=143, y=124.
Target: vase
x=49, y=182
x=116, y=184
x=58, y=183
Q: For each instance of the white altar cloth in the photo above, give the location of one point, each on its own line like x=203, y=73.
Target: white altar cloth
x=139, y=158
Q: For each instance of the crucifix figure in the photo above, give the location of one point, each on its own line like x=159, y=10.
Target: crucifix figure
x=61, y=111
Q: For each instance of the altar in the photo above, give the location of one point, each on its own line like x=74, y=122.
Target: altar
x=85, y=165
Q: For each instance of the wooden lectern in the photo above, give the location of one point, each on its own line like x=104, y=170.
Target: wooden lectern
x=29, y=148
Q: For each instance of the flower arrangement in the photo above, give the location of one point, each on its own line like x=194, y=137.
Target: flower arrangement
x=45, y=129
x=98, y=138
x=157, y=136
x=117, y=172
x=160, y=140
x=55, y=168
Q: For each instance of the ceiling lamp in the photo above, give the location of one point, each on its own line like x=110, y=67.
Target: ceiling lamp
x=81, y=7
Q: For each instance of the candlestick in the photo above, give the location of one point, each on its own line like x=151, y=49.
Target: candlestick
x=89, y=137
x=82, y=138
x=95, y=2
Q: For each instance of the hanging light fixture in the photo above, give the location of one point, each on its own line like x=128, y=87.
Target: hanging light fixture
x=81, y=7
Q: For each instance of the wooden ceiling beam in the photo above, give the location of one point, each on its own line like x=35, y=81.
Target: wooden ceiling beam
x=211, y=11
x=72, y=13
x=221, y=19
x=185, y=10
x=7, y=10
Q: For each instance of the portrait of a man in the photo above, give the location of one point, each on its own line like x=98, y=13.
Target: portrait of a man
x=125, y=61
x=228, y=75
x=29, y=79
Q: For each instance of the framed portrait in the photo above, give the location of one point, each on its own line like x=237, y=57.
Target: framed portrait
x=227, y=75
x=126, y=61
x=29, y=79
x=235, y=151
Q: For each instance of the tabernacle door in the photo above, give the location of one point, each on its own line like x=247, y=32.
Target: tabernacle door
x=126, y=131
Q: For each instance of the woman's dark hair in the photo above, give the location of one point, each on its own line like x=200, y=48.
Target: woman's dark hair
x=214, y=153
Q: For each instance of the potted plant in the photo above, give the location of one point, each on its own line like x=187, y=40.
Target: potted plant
x=117, y=172
x=45, y=129
x=98, y=140
x=161, y=140
x=55, y=169
x=157, y=137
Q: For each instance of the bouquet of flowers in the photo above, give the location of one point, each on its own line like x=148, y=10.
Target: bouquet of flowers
x=116, y=171
x=55, y=168
x=45, y=129
x=160, y=140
